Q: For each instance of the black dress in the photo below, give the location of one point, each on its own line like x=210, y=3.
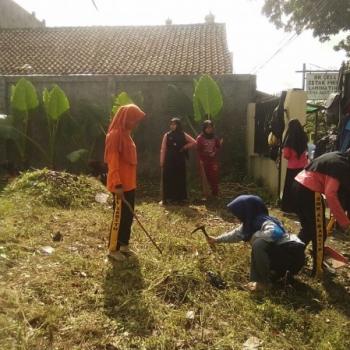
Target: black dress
x=288, y=203
x=174, y=169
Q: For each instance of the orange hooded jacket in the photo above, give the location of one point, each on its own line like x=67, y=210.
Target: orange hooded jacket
x=120, y=149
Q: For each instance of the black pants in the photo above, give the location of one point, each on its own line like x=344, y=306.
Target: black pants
x=268, y=256
x=122, y=221
x=306, y=211
x=288, y=205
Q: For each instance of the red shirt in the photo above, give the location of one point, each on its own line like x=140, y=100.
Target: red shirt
x=329, y=186
x=207, y=148
x=295, y=162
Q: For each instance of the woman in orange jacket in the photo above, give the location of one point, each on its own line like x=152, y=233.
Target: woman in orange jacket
x=121, y=158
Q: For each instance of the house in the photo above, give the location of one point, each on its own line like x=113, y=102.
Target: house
x=92, y=64
x=14, y=16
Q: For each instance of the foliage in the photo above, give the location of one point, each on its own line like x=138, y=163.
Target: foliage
x=180, y=105
x=56, y=189
x=56, y=104
x=124, y=99
x=77, y=155
x=324, y=17
x=207, y=99
x=88, y=128
x=121, y=100
x=24, y=100
x=322, y=127
x=76, y=299
x=23, y=96
x=7, y=132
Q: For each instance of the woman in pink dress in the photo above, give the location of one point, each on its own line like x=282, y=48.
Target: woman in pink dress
x=208, y=146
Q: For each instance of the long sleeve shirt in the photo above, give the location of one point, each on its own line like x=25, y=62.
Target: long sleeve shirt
x=121, y=173
x=295, y=162
x=267, y=232
x=328, y=186
x=190, y=142
x=207, y=148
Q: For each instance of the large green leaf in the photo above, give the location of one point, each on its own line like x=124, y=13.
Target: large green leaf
x=57, y=103
x=121, y=100
x=208, y=95
x=23, y=96
x=77, y=155
x=46, y=97
x=197, y=109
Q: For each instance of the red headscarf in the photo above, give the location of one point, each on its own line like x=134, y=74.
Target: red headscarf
x=118, y=138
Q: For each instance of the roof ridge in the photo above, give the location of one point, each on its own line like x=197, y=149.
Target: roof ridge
x=115, y=26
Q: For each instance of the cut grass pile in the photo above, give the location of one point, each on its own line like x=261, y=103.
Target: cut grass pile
x=75, y=299
x=56, y=189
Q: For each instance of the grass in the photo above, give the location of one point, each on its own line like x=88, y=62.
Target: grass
x=76, y=299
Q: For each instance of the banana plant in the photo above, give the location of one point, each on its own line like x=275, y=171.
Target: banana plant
x=24, y=100
x=124, y=99
x=56, y=104
x=8, y=132
x=207, y=99
x=180, y=105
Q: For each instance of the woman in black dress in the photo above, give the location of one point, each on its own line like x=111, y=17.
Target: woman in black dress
x=173, y=155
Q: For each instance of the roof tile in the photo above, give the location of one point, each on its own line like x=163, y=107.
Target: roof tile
x=170, y=50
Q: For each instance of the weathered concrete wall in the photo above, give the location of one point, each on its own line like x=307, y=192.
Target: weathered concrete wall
x=237, y=90
x=14, y=16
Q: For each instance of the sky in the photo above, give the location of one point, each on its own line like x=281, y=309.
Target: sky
x=251, y=37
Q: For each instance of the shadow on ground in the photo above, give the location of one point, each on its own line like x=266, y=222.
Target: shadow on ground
x=124, y=301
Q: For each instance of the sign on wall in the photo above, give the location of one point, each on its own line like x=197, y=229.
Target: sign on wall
x=320, y=85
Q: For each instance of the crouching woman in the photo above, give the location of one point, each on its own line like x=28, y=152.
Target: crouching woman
x=274, y=251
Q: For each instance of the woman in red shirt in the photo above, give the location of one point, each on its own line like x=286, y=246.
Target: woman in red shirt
x=328, y=174
x=295, y=151
x=208, y=146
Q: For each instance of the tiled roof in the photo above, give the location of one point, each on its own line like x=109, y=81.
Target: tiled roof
x=167, y=49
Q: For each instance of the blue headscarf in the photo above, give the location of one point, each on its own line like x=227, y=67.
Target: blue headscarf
x=252, y=211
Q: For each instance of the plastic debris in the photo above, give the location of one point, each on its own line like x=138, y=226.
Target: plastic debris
x=46, y=250
x=190, y=315
x=101, y=198
x=252, y=343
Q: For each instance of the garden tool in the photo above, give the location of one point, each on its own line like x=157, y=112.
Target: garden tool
x=142, y=227
x=325, y=252
x=202, y=228
x=216, y=280
x=319, y=234
x=205, y=182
